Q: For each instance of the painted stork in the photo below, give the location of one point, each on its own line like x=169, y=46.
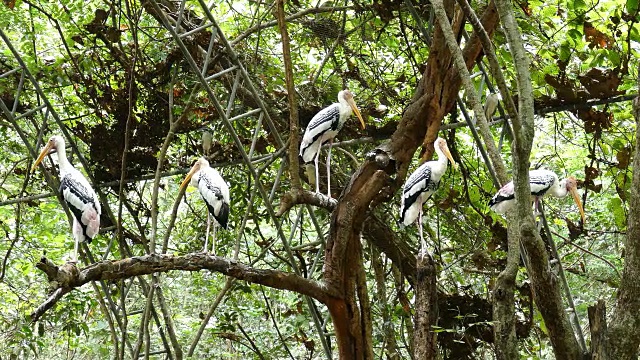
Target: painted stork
x=491, y=105
x=421, y=185
x=214, y=191
x=542, y=182
x=206, y=142
x=77, y=193
x=322, y=128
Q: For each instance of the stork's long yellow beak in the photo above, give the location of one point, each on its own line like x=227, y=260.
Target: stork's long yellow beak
x=356, y=111
x=448, y=155
x=186, y=180
x=43, y=153
x=576, y=198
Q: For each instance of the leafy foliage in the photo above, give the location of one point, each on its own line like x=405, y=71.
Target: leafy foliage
x=107, y=67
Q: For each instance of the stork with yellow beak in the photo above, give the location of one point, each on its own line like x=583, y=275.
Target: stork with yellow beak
x=542, y=182
x=421, y=185
x=215, y=193
x=322, y=128
x=76, y=192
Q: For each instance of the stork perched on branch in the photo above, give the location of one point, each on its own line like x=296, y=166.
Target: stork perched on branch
x=542, y=182
x=322, y=128
x=215, y=193
x=421, y=185
x=77, y=194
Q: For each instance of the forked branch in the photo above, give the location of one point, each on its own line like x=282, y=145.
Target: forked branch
x=67, y=277
x=299, y=196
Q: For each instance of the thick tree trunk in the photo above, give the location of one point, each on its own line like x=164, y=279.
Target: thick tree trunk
x=434, y=97
x=426, y=307
x=504, y=320
x=598, y=325
x=546, y=290
x=623, y=337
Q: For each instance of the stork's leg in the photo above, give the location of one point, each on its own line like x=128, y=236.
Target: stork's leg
x=77, y=235
x=206, y=236
x=536, y=211
x=329, y=169
x=317, y=173
x=423, y=244
x=213, y=240
x=75, y=252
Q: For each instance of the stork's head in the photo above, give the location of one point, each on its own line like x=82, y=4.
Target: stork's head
x=442, y=149
x=55, y=144
x=347, y=96
x=572, y=186
x=199, y=165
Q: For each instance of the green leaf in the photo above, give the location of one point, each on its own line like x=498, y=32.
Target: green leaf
x=614, y=57
x=634, y=34
x=565, y=51
x=616, y=208
x=575, y=34
x=577, y=4
x=632, y=6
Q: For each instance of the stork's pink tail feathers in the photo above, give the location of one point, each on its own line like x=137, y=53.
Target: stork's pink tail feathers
x=91, y=217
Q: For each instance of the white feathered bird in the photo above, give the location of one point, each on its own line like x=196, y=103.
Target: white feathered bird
x=421, y=185
x=76, y=192
x=542, y=182
x=214, y=191
x=491, y=105
x=322, y=128
x=207, y=138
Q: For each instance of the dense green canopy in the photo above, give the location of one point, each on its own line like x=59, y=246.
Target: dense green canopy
x=126, y=87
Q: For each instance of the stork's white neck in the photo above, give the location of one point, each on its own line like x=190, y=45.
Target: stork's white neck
x=442, y=159
x=344, y=108
x=559, y=188
x=438, y=167
x=63, y=162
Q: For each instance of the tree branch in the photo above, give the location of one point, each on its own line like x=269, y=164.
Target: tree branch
x=623, y=338
x=392, y=245
x=490, y=54
x=67, y=277
x=291, y=96
x=545, y=284
x=470, y=90
x=506, y=344
x=299, y=196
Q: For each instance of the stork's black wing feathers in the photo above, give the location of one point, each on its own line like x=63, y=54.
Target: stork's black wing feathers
x=327, y=120
x=540, y=184
x=330, y=114
x=223, y=216
x=76, y=196
x=419, y=182
x=423, y=173
x=498, y=198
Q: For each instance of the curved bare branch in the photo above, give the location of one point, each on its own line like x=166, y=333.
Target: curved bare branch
x=67, y=277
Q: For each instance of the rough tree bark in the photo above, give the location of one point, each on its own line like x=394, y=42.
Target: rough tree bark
x=433, y=98
x=623, y=337
x=546, y=290
x=68, y=277
x=504, y=320
x=598, y=327
x=291, y=96
x=506, y=344
x=426, y=308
